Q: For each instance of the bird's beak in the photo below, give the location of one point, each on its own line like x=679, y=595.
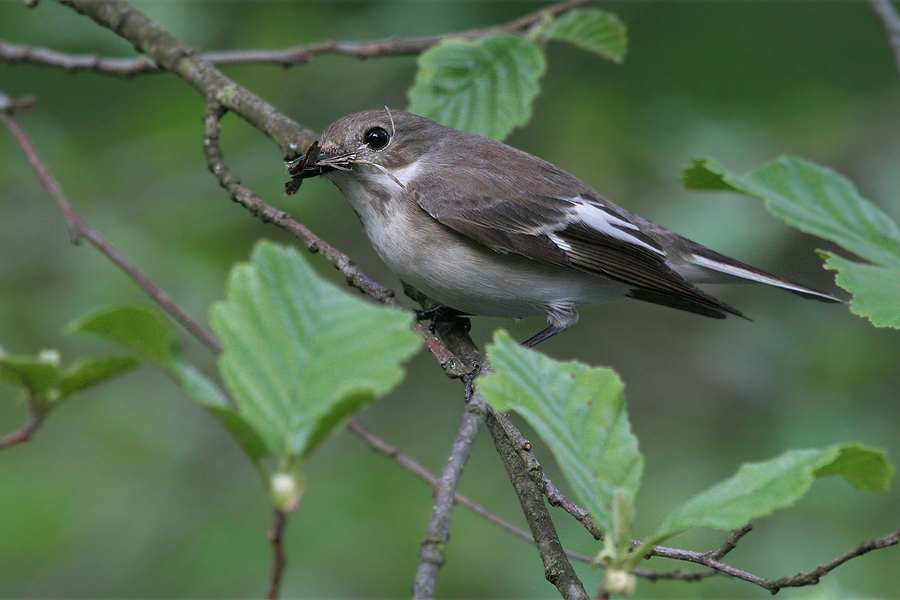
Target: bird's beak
x=315, y=163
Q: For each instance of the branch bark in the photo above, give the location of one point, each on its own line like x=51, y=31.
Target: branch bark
x=127, y=68
x=557, y=568
x=433, y=552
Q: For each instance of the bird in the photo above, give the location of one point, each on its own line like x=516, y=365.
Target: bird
x=485, y=229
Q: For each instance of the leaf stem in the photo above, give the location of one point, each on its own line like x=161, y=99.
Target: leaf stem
x=276, y=536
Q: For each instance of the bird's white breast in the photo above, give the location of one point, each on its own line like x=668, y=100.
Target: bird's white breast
x=454, y=269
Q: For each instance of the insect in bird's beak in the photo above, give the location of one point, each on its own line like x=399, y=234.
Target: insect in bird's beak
x=313, y=164
x=303, y=167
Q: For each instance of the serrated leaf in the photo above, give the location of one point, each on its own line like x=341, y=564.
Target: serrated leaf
x=578, y=411
x=876, y=290
x=865, y=468
x=94, y=371
x=300, y=353
x=138, y=327
x=593, y=30
x=36, y=374
x=759, y=489
x=821, y=202
x=484, y=86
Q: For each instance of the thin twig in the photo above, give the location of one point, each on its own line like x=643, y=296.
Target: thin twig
x=433, y=551
x=79, y=229
x=132, y=67
x=420, y=471
x=731, y=543
x=812, y=577
x=276, y=536
x=890, y=21
x=35, y=419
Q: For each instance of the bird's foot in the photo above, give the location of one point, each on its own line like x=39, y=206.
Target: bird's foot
x=442, y=313
x=469, y=380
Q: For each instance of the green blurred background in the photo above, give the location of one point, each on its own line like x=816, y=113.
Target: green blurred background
x=133, y=491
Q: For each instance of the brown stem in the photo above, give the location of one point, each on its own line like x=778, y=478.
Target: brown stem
x=276, y=536
x=35, y=419
x=812, y=577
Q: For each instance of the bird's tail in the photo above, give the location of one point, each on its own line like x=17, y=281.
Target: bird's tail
x=702, y=265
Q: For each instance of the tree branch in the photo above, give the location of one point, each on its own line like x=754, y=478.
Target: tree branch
x=557, y=569
x=79, y=229
x=890, y=21
x=433, y=550
x=127, y=68
x=536, y=472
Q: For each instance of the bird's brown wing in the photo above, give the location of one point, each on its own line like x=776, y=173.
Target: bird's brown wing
x=584, y=232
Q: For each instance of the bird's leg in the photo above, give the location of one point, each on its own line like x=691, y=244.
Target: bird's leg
x=539, y=337
x=442, y=313
x=560, y=319
x=469, y=380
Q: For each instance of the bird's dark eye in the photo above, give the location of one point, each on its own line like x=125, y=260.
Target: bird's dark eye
x=376, y=138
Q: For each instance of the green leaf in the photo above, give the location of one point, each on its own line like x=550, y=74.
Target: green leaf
x=865, y=468
x=484, y=86
x=136, y=326
x=759, y=489
x=876, y=290
x=146, y=330
x=707, y=174
x=94, y=371
x=821, y=202
x=300, y=353
x=243, y=433
x=38, y=374
x=580, y=414
x=593, y=30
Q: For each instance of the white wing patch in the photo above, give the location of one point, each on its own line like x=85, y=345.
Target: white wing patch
x=600, y=220
x=561, y=243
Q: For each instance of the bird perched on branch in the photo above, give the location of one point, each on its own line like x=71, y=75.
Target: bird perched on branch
x=485, y=229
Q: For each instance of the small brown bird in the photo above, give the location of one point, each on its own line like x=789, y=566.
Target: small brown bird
x=489, y=230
